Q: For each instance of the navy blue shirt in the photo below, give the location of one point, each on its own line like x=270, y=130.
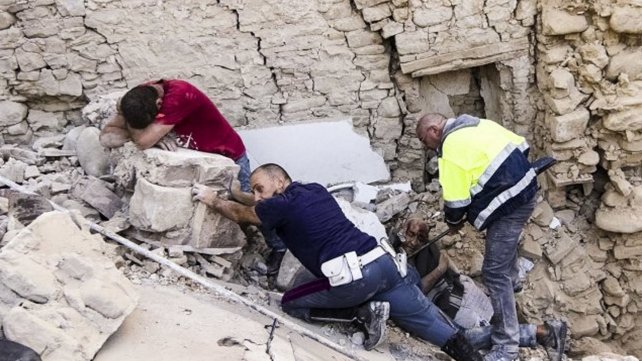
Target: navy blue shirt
x=311, y=224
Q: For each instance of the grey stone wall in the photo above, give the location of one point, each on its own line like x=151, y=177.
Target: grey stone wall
x=262, y=62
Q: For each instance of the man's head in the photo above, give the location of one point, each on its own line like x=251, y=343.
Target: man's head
x=416, y=234
x=430, y=129
x=140, y=105
x=269, y=180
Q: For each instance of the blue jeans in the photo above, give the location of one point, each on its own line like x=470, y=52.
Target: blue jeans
x=499, y=271
x=381, y=281
x=244, y=173
x=480, y=337
x=271, y=239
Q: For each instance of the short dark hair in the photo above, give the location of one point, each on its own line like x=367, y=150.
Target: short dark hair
x=273, y=170
x=138, y=106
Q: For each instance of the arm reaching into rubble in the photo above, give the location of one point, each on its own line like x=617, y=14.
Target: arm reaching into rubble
x=234, y=211
x=428, y=281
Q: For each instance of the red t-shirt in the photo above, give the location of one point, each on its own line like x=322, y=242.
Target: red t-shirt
x=197, y=122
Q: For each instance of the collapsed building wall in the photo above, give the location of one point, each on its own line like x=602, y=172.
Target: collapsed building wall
x=588, y=72
x=382, y=63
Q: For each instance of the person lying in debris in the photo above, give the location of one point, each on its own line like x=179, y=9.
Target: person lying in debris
x=460, y=298
x=169, y=113
x=488, y=181
x=13, y=351
x=357, y=279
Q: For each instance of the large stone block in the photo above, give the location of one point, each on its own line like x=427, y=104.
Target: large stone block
x=162, y=201
x=427, y=17
x=376, y=13
x=626, y=19
x=560, y=22
x=361, y=38
x=11, y=113
x=69, y=296
x=625, y=120
x=159, y=209
x=569, y=126
x=627, y=62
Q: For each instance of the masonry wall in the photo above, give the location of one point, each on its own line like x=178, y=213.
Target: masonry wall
x=565, y=74
x=265, y=62
x=589, y=73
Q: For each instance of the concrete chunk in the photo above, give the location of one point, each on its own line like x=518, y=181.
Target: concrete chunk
x=94, y=192
x=78, y=297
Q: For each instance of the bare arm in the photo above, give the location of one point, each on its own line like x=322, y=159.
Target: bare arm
x=428, y=281
x=115, y=133
x=234, y=211
x=152, y=134
x=239, y=195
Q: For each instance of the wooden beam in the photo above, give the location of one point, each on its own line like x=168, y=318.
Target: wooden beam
x=466, y=58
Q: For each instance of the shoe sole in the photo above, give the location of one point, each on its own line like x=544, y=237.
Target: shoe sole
x=384, y=318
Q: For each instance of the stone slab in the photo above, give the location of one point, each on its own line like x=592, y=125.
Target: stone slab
x=328, y=152
x=70, y=296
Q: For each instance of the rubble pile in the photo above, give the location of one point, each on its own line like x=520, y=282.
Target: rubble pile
x=60, y=292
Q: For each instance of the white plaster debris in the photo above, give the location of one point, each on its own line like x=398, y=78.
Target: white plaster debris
x=366, y=221
x=327, y=152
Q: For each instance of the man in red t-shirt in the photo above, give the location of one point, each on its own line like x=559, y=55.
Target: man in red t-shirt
x=149, y=112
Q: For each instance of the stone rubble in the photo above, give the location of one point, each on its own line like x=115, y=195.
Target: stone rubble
x=60, y=293
x=563, y=73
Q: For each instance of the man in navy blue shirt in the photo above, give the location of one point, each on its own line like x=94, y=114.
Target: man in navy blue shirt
x=357, y=279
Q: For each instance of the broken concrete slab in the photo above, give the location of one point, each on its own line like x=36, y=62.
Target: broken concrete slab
x=95, y=193
x=336, y=151
x=68, y=295
x=390, y=207
x=366, y=221
x=24, y=155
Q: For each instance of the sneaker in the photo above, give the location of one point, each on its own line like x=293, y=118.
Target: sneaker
x=273, y=262
x=373, y=317
x=555, y=341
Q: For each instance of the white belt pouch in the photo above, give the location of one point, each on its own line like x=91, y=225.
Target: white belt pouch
x=343, y=269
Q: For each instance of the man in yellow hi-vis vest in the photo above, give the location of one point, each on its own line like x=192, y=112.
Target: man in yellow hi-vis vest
x=488, y=181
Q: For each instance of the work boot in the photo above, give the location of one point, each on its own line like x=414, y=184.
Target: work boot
x=372, y=317
x=460, y=349
x=555, y=340
x=273, y=262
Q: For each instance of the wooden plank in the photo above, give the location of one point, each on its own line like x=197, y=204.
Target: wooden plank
x=466, y=55
x=467, y=64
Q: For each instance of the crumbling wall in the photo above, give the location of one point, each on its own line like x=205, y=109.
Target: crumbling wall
x=260, y=62
x=438, y=46
x=590, y=77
